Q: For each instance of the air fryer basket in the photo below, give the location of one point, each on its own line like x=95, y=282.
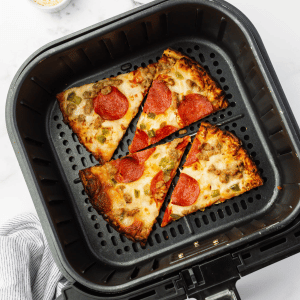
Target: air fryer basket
x=215, y=34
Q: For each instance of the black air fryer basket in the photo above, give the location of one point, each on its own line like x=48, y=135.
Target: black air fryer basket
x=201, y=255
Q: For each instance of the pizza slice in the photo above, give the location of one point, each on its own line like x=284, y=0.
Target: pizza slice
x=129, y=192
x=100, y=113
x=217, y=168
x=181, y=93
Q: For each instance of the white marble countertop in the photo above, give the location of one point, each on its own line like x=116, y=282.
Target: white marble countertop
x=23, y=29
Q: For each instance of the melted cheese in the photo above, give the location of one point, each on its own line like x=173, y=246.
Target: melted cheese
x=169, y=116
x=181, y=86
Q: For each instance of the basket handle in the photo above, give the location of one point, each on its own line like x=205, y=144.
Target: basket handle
x=211, y=280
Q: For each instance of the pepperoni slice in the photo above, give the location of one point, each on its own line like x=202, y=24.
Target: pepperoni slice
x=129, y=170
x=140, y=141
x=186, y=191
x=159, y=98
x=112, y=106
x=192, y=156
x=193, y=108
x=143, y=155
x=184, y=143
x=167, y=219
x=162, y=133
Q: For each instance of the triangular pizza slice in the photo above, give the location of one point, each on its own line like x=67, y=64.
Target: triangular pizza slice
x=182, y=92
x=217, y=168
x=129, y=192
x=100, y=113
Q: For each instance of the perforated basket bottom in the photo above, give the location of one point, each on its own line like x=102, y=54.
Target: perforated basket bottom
x=238, y=118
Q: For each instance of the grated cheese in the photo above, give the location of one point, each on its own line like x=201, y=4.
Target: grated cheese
x=47, y=2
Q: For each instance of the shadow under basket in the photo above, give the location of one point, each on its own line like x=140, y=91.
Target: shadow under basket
x=87, y=250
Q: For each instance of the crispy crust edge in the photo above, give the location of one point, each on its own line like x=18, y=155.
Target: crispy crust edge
x=222, y=102
x=60, y=98
x=102, y=203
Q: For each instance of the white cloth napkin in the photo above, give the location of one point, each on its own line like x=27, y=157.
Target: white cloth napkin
x=27, y=269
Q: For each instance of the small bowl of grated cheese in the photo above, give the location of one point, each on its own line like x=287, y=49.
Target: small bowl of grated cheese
x=50, y=5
